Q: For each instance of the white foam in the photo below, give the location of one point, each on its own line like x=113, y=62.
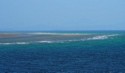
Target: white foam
x=22, y=43
x=101, y=37
x=98, y=37
x=112, y=35
x=44, y=41
x=19, y=43
x=6, y=43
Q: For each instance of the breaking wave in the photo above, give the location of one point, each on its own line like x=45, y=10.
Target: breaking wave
x=15, y=43
x=101, y=37
x=97, y=37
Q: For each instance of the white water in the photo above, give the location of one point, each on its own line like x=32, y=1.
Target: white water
x=98, y=37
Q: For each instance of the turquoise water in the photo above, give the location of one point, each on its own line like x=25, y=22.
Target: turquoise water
x=100, y=52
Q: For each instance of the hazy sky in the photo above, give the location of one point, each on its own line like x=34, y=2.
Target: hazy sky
x=62, y=15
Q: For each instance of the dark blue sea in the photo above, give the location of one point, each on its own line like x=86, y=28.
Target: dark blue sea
x=62, y=52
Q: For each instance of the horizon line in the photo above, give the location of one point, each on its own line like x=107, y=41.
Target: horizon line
x=52, y=30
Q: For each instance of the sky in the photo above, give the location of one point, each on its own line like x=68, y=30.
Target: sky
x=47, y=15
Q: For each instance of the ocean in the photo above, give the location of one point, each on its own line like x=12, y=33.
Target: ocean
x=62, y=52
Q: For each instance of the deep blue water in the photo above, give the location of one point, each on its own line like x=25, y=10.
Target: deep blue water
x=90, y=56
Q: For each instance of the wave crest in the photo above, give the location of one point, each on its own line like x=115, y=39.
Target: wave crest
x=19, y=43
x=98, y=37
